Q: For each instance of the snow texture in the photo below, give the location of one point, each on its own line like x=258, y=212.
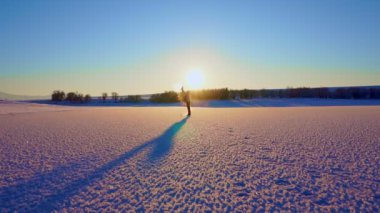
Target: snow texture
x=220, y=159
x=13, y=107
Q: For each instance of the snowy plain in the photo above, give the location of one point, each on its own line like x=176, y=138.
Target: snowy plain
x=244, y=159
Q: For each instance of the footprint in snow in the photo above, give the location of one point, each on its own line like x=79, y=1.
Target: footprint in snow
x=282, y=182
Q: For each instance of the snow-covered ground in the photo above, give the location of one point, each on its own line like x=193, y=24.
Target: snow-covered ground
x=14, y=107
x=220, y=159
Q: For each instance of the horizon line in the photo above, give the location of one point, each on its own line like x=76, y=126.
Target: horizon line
x=288, y=87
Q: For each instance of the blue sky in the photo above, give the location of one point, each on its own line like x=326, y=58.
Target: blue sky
x=142, y=46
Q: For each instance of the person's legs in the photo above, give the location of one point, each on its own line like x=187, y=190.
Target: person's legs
x=188, y=109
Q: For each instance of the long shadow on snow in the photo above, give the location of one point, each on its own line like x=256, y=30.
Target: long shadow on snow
x=29, y=194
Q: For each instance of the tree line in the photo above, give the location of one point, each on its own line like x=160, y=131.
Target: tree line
x=300, y=92
x=306, y=92
x=75, y=97
x=226, y=94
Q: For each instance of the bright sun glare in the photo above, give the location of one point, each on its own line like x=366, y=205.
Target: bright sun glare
x=195, y=79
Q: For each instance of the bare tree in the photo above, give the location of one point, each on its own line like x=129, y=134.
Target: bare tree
x=70, y=96
x=104, y=96
x=58, y=95
x=115, y=96
x=87, y=98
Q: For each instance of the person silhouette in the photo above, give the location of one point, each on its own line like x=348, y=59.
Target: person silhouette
x=186, y=99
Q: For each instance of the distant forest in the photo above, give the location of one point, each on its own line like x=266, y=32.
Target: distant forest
x=226, y=94
x=306, y=92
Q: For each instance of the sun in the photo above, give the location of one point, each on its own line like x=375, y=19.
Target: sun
x=195, y=78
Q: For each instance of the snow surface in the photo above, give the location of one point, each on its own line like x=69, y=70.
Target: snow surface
x=220, y=159
x=13, y=107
